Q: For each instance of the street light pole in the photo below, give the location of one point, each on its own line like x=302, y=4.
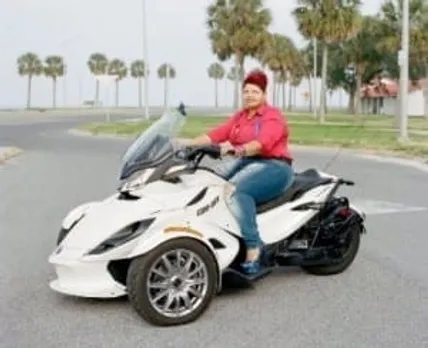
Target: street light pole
x=404, y=72
x=146, y=62
x=315, y=57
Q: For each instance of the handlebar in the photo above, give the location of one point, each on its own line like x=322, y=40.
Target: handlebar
x=195, y=154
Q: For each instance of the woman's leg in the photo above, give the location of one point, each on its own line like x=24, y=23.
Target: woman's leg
x=228, y=169
x=258, y=181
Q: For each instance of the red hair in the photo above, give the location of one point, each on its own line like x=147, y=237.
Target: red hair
x=258, y=78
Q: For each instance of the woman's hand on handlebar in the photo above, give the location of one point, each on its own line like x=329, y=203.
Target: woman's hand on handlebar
x=227, y=149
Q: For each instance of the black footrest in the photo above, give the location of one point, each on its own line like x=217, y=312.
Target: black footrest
x=248, y=278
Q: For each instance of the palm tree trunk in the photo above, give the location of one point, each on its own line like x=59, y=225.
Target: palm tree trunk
x=225, y=92
x=29, y=91
x=358, y=94
x=273, y=93
x=323, y=84
x=117, y=93
x=284, y=102
x=97, y=92
x=140, y=93
x=216, y=92
x=165, y=92
x=351, y=103
x=326, y=102
x=290, y=97
x=310, y=94
x=241, y=60
x=294, y=96
x=54, y=92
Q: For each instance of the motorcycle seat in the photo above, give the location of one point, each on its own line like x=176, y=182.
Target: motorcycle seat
x=302, y=183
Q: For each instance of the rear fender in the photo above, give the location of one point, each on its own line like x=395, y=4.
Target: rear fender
x=358, y=217
x=348, y=213
x=358, y=211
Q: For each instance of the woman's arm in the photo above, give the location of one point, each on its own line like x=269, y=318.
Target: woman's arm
x=198, y=141
x=216, y=135
x=273, y=128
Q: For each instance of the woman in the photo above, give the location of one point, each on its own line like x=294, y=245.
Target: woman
x=257, y=135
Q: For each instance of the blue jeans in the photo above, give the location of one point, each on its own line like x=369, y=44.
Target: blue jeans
x=256, y=181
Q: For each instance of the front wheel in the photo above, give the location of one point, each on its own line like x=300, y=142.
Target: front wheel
x=174, y=283
x=348, y=253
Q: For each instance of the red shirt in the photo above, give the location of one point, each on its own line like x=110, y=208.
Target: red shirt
x=268, y=127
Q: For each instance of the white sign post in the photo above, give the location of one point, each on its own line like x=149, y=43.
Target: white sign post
x=107, y=81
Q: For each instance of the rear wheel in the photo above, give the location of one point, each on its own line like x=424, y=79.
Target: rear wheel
x=345, y=255
x=174, y=283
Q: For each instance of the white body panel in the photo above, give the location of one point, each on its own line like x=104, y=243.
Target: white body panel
x=86, y=275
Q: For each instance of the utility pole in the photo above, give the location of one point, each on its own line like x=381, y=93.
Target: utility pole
x=403, y=60
x=146, y=62
x=315, y=104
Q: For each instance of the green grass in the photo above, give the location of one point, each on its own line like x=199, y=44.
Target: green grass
x=378, y=121
x=370, y=133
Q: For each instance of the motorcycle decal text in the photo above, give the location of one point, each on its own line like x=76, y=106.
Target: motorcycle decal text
x=205, y=208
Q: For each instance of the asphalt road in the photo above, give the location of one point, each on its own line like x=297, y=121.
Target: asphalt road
x=382, y=301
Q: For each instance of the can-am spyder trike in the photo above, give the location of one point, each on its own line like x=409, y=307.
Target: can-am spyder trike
x=168, y=240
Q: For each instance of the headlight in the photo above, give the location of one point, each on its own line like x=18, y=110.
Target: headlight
x=136, y=181
x=123, y=236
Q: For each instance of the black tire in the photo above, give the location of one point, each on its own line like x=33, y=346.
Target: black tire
x=342, y=265
x=138, y=274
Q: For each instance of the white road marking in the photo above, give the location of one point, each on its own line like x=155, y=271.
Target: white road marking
x=374, y=207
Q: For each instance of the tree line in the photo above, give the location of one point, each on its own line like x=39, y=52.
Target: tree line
x=54, y=67
x=352, y=48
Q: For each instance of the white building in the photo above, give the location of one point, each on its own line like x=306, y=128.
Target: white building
x=380, y=97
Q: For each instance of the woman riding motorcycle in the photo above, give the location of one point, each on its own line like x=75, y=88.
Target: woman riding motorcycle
x=257, y=136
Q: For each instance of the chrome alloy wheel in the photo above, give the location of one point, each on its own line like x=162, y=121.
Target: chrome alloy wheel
x=177, y=283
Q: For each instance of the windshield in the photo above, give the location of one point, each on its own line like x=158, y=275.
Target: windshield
x=153, y=146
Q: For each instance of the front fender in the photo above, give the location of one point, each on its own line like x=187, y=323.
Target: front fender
x=76, y=214
x=223, y=246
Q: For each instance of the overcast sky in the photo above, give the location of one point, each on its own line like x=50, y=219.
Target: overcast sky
x=75, y=28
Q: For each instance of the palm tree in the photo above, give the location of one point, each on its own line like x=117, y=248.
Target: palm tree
x=308, y=56
x=279, y=82
x=137, y=72
x=362, y=54
x=117, y=67
x=279, y=56
x=298, y=72
x=166, y=72
x=216, y=72
x=329, y=21
x=237, y=28
x=391, y=20
x=29, y=64
x=54, y=68
x=235, y=74
x=97, y=64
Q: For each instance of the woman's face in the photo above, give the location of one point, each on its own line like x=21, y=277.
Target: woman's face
x=253, y=96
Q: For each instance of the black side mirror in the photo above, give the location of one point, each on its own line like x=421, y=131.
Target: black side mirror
x=182, y=109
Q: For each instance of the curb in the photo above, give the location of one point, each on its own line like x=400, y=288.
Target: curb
x=83, y=133
x=368, y=154
x=9, y=152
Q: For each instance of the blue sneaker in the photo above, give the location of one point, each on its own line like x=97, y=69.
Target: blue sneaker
x=254, y=267
x=251, y=267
